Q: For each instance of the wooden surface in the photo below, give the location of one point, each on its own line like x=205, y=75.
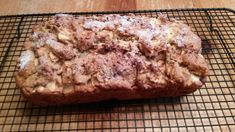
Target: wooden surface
x=10, y=7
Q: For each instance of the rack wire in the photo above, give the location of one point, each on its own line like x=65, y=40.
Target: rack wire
x=211, y=108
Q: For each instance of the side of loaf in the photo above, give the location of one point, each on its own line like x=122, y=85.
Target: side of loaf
x=70, y=59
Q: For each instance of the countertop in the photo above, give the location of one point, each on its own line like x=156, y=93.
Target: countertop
x=10, y=7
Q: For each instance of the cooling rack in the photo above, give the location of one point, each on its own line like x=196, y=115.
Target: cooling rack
x=212, y=108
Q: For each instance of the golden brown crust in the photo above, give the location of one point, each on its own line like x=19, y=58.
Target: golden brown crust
x=86, y=59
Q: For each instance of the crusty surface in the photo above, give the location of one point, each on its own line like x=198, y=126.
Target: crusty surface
x=86, y=59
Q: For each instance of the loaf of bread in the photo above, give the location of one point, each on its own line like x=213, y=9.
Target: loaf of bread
x=70, y=59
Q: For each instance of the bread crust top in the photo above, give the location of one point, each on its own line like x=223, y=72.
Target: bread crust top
x=110, y=52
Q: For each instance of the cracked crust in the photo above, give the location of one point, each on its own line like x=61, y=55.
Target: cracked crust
x=71, y=59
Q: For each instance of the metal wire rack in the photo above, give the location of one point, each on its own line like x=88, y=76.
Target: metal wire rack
x=212, y=108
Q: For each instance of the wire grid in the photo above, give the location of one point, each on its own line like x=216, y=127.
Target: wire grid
x=211, y=108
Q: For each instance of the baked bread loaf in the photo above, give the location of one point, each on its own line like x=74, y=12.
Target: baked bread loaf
x=70, y=59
